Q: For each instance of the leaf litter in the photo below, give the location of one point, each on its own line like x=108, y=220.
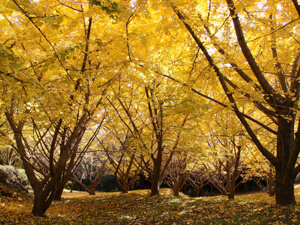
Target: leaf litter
x=137, y=207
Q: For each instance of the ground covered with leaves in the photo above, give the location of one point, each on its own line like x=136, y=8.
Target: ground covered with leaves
x=138, y=207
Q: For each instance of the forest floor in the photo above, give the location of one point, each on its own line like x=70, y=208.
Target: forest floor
x=137, y=207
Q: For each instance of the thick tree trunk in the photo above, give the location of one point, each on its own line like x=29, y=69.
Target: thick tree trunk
x=93, y=188
x=59, y=192
x=176, y=188
x=124, y=191
x=284, y=179
x=42, y=201
x=284, y=192
x=39, y=207
x=198, y=191
x=155, y=182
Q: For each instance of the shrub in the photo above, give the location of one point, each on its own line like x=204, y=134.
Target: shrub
x=13, y=177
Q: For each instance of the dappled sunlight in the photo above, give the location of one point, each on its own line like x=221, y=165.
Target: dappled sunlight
x=80, y=194
x=138, y=207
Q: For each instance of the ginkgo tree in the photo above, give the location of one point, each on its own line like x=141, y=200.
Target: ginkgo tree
x=117, y=146
x=152, y=113
x=252, y=48
x=224, y=161
x=52, y=83
x=65, y=63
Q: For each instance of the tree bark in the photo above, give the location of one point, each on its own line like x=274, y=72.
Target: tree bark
x=284, y=179
x=59, y=192
x=156, y=178
x=231, y=193
x=42, y=201
x=176, y=190
x=154, y=188
x=155, y=181
x=284, y=192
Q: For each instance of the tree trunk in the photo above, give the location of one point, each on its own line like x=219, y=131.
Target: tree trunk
x=284, y=192
x=39, y=207
x=198, y=191
x=284, y=178
x=232, y=188
x=155, y=179
x=92, y=191
x=125, y=189
x=155, y=183
x=270, y=183
x=124, y=185
x=154, y=188
x=59, y=192
x=175, y=191
x=42, y=201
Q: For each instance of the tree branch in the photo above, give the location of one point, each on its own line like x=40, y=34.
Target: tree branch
x=229, y=95
x=57, y=56
x=268, y=89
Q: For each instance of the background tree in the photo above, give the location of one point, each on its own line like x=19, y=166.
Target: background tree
x=121, y=157
x=224, y=161
x=177, y=173
x=91, y=168
x=156, y=130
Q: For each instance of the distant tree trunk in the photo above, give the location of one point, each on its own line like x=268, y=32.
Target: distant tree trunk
x=270, y=182
x=92, y=189
x=231, y=193
x=235, y=173
x=197, y=180
x=176, y=175
x=155, y=188
x=176, y=189
x=198, y=191
x=156, y=176
x=124, y=187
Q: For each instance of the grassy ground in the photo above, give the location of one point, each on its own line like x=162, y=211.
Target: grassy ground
x=138, y=208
